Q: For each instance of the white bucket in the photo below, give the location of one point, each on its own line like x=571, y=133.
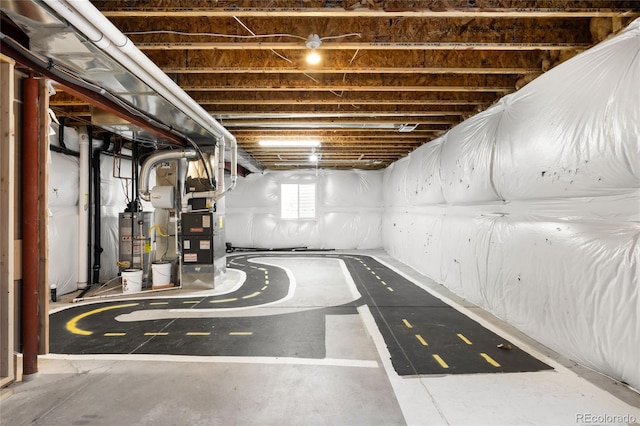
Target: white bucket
x=161, y=273
x=131, y=280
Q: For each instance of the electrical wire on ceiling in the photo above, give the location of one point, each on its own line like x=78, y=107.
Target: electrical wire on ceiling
x=253, y=35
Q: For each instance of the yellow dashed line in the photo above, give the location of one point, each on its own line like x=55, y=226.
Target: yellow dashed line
x=114, y=334
x=489, y=360
x=373, y=272
x=198, y=333
x=407, y=323
x=71, y=325
x=377, y=277
x=421, y=340
x=383, y=282
x=368, y=269
x=464, y=339
x=389, y=288
x=224, y=300
x=241, y=333
x=266, y=281
x=264, y=288
x=158, y=303
x=191, y=302
x=249, y=296
x=440, y=361
x=156, y=334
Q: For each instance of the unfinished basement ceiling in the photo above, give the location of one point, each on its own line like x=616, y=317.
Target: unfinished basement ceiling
x=394, y=74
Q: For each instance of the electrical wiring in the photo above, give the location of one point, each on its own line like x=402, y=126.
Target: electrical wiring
x=213, y=34
x=251, y=36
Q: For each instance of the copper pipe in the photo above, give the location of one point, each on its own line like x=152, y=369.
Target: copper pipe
x=30, y=191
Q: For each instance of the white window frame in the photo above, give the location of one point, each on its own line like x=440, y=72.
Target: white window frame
x=295, y=210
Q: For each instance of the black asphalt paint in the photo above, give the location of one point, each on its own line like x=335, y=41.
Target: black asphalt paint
x=422, y=333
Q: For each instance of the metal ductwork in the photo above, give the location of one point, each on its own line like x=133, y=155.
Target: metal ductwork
x=59, y=30
x=152, y=161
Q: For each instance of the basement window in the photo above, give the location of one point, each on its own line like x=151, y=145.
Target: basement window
x=298, y=201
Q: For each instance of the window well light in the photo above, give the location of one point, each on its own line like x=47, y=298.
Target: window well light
x=288, y=143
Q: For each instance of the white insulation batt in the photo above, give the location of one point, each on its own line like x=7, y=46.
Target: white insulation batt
x=63, y=212
x=531, y=209
x=348, y=215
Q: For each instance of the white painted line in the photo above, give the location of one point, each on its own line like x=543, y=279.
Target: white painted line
x=203, y=293
x=353, y=288
x=416, y=402
x=329, y=362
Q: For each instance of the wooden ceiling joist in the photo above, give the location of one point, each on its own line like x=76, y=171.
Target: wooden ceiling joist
x=350, y=70
x=395, y=89
x=420, y=66
x=335, y=12
x=358, y=46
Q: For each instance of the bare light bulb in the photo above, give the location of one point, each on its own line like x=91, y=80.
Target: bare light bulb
x=313, y=58
x=313, y=42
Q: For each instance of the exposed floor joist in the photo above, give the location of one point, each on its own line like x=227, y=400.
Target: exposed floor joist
x=420, y=65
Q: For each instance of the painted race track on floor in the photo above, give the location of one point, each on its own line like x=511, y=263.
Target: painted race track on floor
x=282, y=310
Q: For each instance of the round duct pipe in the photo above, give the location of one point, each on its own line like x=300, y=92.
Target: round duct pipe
x=152, y=161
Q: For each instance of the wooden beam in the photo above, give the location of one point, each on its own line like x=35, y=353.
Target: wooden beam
x=337, y=114
x=333, y=122
x=328, y=88
x=348, y=70
x=313, y=133
x=336, y=12
x=336, y=101
x=7, y=222
x=423, y=46
x=43, y=213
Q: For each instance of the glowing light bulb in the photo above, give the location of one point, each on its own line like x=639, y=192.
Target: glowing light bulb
x=313, y=58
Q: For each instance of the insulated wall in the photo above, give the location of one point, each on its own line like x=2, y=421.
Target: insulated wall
x=531, y=209
x=63, y=212
x=348, y=211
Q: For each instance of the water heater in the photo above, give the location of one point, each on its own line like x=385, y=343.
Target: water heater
x=135, y=241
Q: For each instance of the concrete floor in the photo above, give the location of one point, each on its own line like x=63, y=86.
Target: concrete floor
x=355, y=384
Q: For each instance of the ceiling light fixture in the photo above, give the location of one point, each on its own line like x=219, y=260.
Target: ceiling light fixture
x=313, y=42
x=290, y=143
x=313, y=157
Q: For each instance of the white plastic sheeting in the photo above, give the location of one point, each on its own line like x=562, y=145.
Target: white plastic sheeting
x=114, y=194
x=531, y=209
x=348, y=211
x=62, y=228
x=63, y=214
